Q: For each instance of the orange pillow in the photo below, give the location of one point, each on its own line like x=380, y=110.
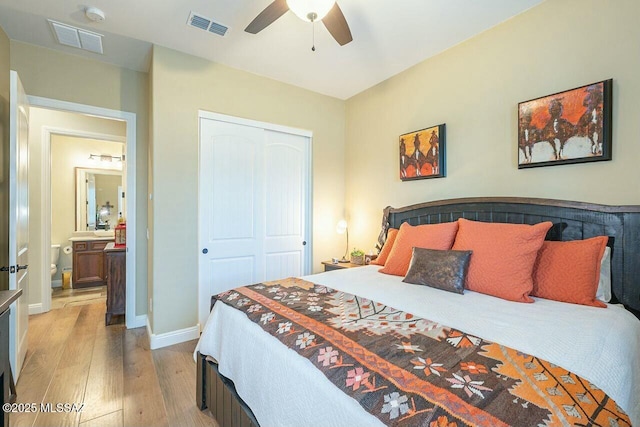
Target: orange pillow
x=569, y=271
x=503, y=256
x=386, y=248
x=429, y=236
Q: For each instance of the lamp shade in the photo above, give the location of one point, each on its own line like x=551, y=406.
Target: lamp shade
x=310, y=10
x=341, y=228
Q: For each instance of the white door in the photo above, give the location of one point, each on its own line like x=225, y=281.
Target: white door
x=285, y=180
x=254, y=210
x=18, y=221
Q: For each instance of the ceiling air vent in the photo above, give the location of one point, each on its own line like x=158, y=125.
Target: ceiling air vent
x=203, y=23
x=90, y=41
x=77, y=37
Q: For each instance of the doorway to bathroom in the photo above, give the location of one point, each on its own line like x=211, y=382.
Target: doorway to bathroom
x=86, y=180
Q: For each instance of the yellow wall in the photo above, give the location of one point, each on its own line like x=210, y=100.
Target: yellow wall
x=4, y=155
x=475, y=88
x=149, y=201
x=52, y=74
x=182, y=84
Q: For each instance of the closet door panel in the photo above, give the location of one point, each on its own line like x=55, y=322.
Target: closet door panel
x=231, y=204
x=285, y=195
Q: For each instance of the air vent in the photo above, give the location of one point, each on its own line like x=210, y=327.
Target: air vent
x=77, y=37
x=203, y=23
x=66, y=35
x=90, y=41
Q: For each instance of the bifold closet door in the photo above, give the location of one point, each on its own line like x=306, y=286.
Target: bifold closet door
x=253, y=206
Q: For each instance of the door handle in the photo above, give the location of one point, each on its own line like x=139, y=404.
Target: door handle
x=304, y=243
x=22, y=267
x=205, y=251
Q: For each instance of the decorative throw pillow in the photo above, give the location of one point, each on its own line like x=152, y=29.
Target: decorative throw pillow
x=503, y=256
x=446, y=270
x=386, y=248
x=431, y=236
x=570, y=271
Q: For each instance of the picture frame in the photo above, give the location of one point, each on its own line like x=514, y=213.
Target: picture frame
x=568, y=127
x=423, y=153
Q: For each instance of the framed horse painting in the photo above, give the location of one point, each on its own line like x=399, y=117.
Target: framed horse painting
x=422, y=154
x=573, y=126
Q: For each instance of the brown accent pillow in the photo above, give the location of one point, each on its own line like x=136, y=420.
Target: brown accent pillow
x=445, y=270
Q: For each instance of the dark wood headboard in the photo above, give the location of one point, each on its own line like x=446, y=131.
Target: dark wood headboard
x=572, y=221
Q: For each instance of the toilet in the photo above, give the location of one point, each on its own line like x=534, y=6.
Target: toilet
x=55, y=255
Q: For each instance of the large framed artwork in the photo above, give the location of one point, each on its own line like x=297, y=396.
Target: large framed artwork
x=422, y=154
x=573, y=126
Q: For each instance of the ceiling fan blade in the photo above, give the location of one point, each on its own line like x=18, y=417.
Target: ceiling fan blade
x=337, y=25
x=271, y=13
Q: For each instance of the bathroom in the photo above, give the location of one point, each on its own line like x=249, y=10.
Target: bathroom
x=87, y=182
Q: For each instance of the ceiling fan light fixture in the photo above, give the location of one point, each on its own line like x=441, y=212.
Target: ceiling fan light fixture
x=310, y=10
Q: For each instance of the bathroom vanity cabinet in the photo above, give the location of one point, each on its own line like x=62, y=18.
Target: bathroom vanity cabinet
x=116, y=277
x=88, y=263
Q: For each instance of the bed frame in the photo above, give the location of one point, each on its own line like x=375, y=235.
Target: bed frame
x=571, y=221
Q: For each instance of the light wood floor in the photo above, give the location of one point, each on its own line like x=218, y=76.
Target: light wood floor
x=61, y=298
x=73, y=358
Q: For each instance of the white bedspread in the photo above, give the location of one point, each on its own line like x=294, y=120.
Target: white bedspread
x=284, y=389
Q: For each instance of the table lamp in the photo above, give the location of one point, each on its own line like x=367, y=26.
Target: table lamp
x=342, y=228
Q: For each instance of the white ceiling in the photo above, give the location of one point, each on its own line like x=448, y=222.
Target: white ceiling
x=388, y=35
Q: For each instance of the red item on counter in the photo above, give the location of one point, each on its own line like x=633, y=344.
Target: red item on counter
x=121, y=235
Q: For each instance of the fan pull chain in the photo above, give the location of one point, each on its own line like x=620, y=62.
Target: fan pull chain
x=313, y=36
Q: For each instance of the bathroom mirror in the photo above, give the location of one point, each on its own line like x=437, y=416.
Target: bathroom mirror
x=98, y=199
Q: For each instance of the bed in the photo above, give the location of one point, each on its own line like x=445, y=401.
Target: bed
x=248, y=377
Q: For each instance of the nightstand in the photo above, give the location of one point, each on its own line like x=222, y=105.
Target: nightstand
x=329, y=266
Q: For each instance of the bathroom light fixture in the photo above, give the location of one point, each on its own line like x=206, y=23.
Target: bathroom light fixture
x=106, y=158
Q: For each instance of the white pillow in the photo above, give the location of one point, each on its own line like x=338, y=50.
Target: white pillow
x=604, y=285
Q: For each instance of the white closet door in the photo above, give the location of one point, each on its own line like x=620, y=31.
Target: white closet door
x=253, y=209
x=231, y=205
x=285, y=195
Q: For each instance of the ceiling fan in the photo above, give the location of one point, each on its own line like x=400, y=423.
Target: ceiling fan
x=326, y=11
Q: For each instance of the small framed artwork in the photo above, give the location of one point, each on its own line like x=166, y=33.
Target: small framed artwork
x=422, y=154
x=573, y=126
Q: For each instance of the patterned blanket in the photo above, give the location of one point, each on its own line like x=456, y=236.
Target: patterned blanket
x=410, y=371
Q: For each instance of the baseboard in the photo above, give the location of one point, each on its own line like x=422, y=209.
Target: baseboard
x=35, y=308
x=56, y=283
x=139, y=321
x=173, y=337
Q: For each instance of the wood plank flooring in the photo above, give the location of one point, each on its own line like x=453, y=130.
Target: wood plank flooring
x=61, y=298
x=73, y=357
